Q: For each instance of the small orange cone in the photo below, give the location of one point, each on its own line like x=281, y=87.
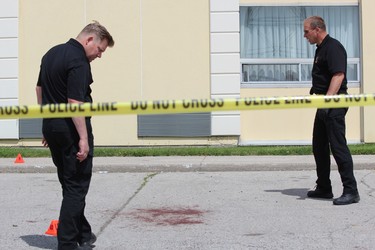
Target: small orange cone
x=19, y=159
x=52, y=230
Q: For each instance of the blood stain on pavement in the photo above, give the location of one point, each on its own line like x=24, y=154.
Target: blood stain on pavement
x=169, y=216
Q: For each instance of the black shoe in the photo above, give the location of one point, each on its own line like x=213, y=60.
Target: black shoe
x=346, y=199
x=320, y=193
x=89, y=243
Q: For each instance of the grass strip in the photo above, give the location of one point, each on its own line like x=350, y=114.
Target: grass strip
x=356, y=149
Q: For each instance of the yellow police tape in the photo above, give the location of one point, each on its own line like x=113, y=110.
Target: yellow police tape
x=184, y=106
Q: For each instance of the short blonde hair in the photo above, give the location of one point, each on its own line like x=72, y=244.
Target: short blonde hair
x=100, y=31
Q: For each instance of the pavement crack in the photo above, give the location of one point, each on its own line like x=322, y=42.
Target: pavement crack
x=201, y=163
x=146, y=179
x=364, y=182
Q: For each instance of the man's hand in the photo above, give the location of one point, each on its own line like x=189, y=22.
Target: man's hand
x=83, y=150
x=44, y=142
x=83, y=144
x=335, y=84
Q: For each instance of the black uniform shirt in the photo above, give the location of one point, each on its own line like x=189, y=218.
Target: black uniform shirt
x=330, y=58
x=65, y=72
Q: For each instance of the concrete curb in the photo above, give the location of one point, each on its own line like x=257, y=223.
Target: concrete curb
x=185, y=164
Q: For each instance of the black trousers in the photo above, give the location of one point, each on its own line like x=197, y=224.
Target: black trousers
x=329, y=135
x=74, y=177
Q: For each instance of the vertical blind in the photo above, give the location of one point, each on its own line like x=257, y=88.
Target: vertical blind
x=276, y=32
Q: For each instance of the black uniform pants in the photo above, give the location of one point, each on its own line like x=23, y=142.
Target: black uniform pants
x=329, y=134
x=74, y=177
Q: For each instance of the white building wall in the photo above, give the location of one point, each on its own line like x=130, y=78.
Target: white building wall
x=225, y=63
x=8, y=64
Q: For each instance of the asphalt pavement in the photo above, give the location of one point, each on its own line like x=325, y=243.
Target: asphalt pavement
x=234, y=202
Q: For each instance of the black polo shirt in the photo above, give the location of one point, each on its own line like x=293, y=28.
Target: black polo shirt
x=330, y=58
x=65, y=72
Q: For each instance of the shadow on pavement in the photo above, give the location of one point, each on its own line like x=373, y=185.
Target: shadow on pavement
x=40, y=241
x=300, y=193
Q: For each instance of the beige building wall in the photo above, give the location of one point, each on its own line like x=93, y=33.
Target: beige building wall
x=9, y=65
x=368, y=65
x=290, y=126
x=162, y=51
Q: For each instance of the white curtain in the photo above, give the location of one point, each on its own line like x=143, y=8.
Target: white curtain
x=277, y=31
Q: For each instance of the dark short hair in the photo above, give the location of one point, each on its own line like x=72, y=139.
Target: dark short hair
x=316, y=22
x=102, y=33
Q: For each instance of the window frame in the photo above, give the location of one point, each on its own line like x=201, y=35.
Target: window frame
x=299, y=61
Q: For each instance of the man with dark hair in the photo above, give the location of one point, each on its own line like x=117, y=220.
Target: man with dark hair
x=329, y=78
x=65, y=77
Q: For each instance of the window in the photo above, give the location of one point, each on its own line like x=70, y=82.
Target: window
x=274, y=51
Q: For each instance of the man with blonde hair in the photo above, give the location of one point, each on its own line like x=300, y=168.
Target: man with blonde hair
x=65, y=77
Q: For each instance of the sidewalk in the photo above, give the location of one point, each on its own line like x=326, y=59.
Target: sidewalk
x=158, y=203
x=185, y=164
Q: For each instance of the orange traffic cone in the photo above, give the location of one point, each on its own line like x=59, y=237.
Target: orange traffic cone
x=52, y=230
x=19, y=159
